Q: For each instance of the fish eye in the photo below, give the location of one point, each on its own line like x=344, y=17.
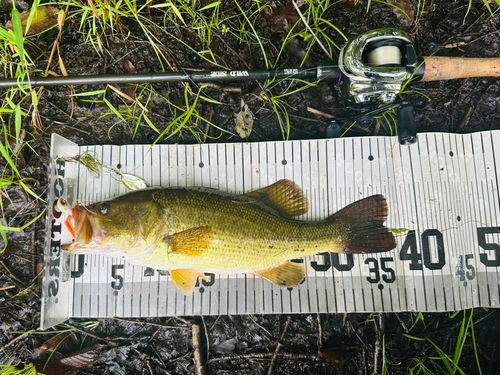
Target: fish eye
x=104, y=209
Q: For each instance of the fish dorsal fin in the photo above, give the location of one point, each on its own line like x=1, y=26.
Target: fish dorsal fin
x=192, y=242
x=288, y=274
x=184, y=280
x=284, y=196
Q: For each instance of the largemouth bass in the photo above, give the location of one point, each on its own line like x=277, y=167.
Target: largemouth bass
x=190, y=231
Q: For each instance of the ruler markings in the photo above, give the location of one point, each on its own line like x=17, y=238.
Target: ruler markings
x=495, y=138
x=438, y=206
x=490, y=161
x=479, y=207
x=416, y=165
x=447, y=222
x=464, y=184
x=323, y=296
x=457, y=240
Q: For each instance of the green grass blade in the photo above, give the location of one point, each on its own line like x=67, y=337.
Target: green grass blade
x=474, y=344
x=18, y=122
x=255, y=33
x=18, y=32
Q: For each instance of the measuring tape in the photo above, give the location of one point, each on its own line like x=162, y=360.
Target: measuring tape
x=444, y=207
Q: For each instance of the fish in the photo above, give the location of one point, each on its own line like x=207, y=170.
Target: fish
x=194, y=231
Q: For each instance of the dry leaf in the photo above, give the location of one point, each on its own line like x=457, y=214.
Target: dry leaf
x=244, y=122
x=337, y=358
x=62, y=342
x=127, y=88
x=273, y=19
x=45, y=18
x=84, y=357
x=408, y=7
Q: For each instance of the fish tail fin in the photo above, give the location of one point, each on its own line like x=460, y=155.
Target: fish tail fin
x=363, y=226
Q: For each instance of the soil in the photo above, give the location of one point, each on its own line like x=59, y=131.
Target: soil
x=238, y=344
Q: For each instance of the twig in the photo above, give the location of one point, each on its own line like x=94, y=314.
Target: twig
x=7, y=287
x=307, y=357
x=466, y=119
x=309, y=28
x=107, y=341
x=402, y=323
x=378, y=345
x=17, y=339
x=198, y=361
x=320, y=113
x=207, y=128
x=185, y=321
x=11, y=274
x=377, y=127
x=320, y=332
x=150, y=324
x=19, y=281
x=278, y=347
x=149, y=367
x=206, y=336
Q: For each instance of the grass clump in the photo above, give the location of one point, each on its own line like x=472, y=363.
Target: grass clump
x=444, y=363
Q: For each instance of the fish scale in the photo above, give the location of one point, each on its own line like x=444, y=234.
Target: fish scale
x=246, y=236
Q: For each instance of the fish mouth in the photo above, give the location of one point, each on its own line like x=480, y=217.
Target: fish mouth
x=83, y=226
x=85, y=238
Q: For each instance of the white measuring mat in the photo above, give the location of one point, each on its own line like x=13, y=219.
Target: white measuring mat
x=443, y=196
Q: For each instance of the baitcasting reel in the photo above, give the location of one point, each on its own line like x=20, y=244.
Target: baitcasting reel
x=374, y=67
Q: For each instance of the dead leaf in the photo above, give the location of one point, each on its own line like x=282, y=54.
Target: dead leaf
x=127, y=88
x=273, y=19
x=62, y=342
x=244, y=122
x=45, y=18
x=337, y=358
x=408, y=7
x=84, y=357
x=69, y=364
x=129, y=67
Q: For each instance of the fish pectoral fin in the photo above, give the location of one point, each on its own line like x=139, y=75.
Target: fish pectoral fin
x=284, y=196
x=288, y=274
x=184, y=280
x=192, y=242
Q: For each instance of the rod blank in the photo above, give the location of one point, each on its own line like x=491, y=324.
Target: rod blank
x=328, y=70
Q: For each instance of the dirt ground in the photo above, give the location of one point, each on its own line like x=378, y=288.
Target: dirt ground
x=241, y=344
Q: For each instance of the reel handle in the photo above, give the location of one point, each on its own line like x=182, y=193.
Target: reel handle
x=439, y=68
x=407, y=133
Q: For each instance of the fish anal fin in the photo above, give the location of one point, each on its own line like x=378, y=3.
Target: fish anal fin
x=364, y=231
x=288, y=274
x=284, y=196
x=191, y=242
x=184, y=280
x=201, y=275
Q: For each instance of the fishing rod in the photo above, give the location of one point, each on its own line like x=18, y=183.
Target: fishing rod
x=371, y=70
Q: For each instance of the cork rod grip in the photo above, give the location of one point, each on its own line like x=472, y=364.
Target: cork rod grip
x=443, y=68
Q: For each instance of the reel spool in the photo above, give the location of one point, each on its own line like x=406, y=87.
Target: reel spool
x=388, y=56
